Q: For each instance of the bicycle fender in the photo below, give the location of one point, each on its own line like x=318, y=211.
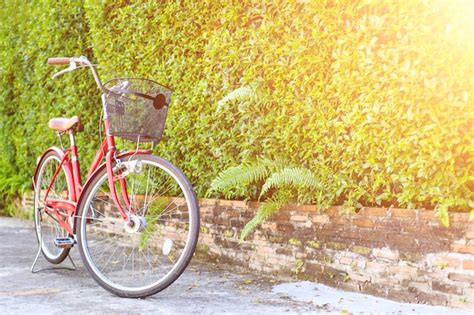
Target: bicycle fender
x=60, y=152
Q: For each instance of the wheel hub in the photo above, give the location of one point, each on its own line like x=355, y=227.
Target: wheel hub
x=136, y=224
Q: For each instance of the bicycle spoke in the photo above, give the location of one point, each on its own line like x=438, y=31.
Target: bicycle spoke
x=142, y=256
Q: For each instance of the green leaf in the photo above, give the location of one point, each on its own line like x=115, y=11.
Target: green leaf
x=442, y=214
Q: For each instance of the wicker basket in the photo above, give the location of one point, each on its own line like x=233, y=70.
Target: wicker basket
x=136, y=108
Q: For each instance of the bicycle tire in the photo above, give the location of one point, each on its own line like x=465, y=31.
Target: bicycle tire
x=47, y=244
x=90, y=222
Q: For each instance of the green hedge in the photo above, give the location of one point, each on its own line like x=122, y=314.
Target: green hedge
x=376, y=98
x=30, y=32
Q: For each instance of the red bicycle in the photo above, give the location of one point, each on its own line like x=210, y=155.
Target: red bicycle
x=136, y=218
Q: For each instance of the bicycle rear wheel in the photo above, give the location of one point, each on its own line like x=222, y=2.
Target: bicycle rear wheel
x=46, y=224
x=143, y=259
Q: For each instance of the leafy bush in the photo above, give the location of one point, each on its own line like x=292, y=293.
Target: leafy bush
x=374, y=98
x=30, y=32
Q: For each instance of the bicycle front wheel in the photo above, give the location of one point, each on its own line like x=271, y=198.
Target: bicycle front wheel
x=145, y=255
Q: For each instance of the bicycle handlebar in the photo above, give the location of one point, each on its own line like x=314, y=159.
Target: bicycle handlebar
x=72, y=66
x=59, y=61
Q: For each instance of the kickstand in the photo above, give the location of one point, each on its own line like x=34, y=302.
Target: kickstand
x=49, y=268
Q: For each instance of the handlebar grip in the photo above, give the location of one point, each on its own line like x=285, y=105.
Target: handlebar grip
x=59, y=61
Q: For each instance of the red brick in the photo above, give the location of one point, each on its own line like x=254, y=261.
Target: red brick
x=463, y=302
x=468, y=265
x=470, y=235
x=461, y=277
x=205, y=209
x=446, y=288
x=450, y=262
x=459, y=216
x=265, y=250
x=331, y=211
x=365, y=223
x=269, y=226
x=299, y=218
x=254, y=205
x=375, y=212
x=465, y=249
x=233, y=203
x=301, y=208
x=410, y=227
x=321, y=219
x=207, y=202
x=341, y=221
x=307, y=208
x=403, y=213
x=281, y=216
x=427, y=215
x=385, y=253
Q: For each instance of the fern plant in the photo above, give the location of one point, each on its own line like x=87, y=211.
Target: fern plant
x=280, y=185
x=239, y=94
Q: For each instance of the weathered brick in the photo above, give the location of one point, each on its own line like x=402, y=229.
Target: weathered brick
x=403, y=272
x=272, y=226
x=464, y=249
x=313, y=243
x=266, y=250
x=362, y=250
x=331, y=211
x=461, y=277
x=285, y=227
x=411, y=227
x=345, y=261
x=459, y=216
x=299, y=218
x=446, y=288
x=421, y=286
x=281, y=216
x=341, y=221
x=375, y=267
x=374, y=212
x=385, y=253
x=428, y=297
x=463, y=302
x=470, y=235
x=349, y=286
x=469, y=292
x=403, y=213
x=321, y=219
x=364, y=223
x=336, y=245
x=226, y=203
x=206, y=209
x=468, y=265
x=305, y=208
x=273, y=261
x=448, y=262
x=300, y=255
x=359, y=277
x=427, y=215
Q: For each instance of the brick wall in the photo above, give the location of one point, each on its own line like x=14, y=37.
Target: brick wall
x=402, y=254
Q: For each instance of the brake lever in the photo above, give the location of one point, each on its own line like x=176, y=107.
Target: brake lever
x=72, y=66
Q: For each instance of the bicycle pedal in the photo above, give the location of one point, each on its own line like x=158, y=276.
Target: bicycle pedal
x=64, y=242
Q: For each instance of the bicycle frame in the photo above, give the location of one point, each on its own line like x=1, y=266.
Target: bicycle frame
x=71, y=166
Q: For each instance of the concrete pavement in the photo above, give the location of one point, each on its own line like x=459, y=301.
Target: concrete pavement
x=203, y=289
